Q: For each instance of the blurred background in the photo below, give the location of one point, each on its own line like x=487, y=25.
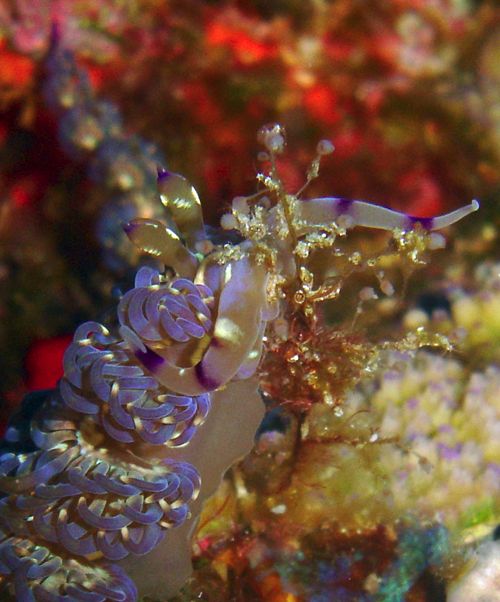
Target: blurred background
x=95, y=94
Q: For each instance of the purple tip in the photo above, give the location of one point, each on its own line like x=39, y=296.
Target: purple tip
x=425, y=222
x=343, y=206
x=163, y=173
x=412, y=403
x=150, y=359
x=449, y=453
x=204, y=379
x=215, y=342
x=129, y=227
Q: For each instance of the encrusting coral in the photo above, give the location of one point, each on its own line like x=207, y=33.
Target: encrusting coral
x=105, y=486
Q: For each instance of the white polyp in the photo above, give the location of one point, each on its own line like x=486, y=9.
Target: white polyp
x=436, y=241
x=228, y=222
x=325, y=147
x=367, y=294
x=204, y=246
x=240, y=204
x=387, y=287
x=275, y=143
x=345, y=221
x=272, y=137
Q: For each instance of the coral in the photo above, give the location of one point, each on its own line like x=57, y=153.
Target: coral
x=452, y=419
x=423, y=430
x=476, y=312
x=467, y=309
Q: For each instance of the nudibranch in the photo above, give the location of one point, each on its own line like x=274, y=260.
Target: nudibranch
x=102, y=491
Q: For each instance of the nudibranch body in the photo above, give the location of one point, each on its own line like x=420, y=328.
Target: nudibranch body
x=106, y=486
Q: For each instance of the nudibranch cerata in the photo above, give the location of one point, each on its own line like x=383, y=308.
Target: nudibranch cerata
x=101, y=492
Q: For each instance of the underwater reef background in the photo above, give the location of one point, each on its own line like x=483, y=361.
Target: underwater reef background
x=375, y=474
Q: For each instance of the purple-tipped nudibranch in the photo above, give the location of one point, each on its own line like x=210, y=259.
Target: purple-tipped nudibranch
x=101, y=503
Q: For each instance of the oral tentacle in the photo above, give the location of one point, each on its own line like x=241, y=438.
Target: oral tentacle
x=323, y=211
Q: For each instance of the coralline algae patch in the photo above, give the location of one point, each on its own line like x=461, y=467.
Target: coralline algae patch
x=471, y=312
x=419, y=438
x=401, y=474
x=478, y=315
x=448, y=423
